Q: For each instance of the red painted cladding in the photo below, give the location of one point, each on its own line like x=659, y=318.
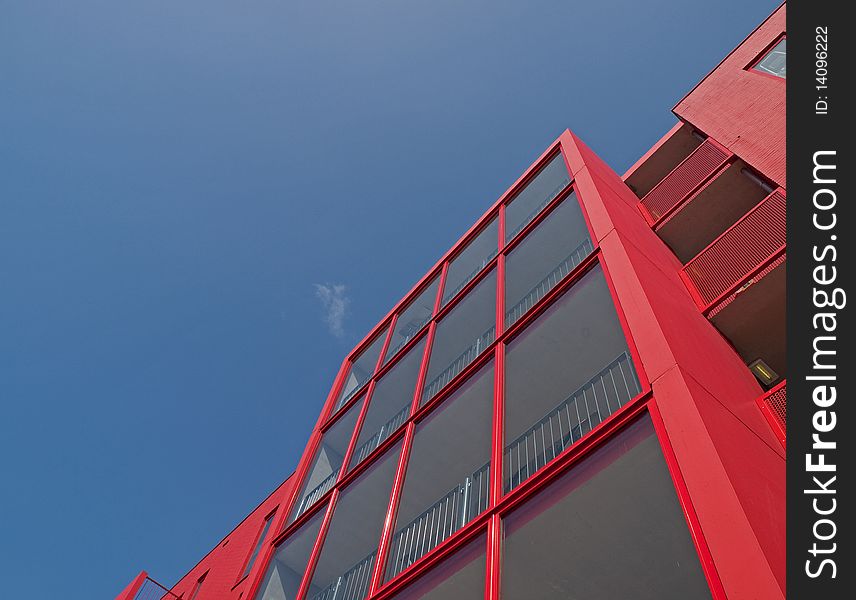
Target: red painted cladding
x=742, y=109
x=686, y=177
x=744, y=248
x=225, y=564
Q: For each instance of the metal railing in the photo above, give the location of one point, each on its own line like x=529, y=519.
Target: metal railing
x=384, y=432
x=548, y=282
x=595, y=400
x=535, y=211
x=700, y=164
x=316, y=493
x=448, y=296
x=412, y=330
x=353, y=584
x=439, y=521
x=152, y=590
x=457, y=365
x=563, y=426
x=753, y=241
x=774, y=407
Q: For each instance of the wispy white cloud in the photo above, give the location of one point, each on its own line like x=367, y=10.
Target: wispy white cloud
x=334, y=300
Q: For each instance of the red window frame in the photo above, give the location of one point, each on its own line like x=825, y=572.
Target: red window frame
x=256, y=547
x=500, y=503
x=757, y=60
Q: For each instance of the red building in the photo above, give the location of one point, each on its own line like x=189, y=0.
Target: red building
x=584, y=398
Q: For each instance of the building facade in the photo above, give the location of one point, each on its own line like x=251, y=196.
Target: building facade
x=584, y=398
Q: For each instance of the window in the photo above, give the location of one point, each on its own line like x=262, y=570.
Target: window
x=198, y=586
x=459, y=577
x=773, y=62
x=471, y=260
x=538, y=193
x=551, y=251
x=390, y=402
x=258, y=545
x=285, y=572
x=462, y=335
x=448, y=473
x=609, y=528
x=564, y=374
x=361, y=370
x=414, y=316
x=327, y=462
x=347, y=557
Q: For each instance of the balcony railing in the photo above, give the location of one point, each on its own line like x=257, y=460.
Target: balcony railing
x=541, y=206
x=773, y=405
x=384, y=432
x=739, y=253
x=353, y=584
x=560, y=428
x=441, y=520
x=549, y=282
x=563, y=426
x=692, y=172
x=316, y=493
x=511, y=315
x=449, y=295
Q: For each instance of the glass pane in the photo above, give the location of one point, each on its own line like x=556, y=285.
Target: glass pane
x=411, y=320
x=564, y=374
x=460, y=577
x=559, y=243
x=774, y=62
x=327, y=461
x=361, y=370
x=610, y=528
x=537, y=194
x=347, y=558
x=469, y=263
x=286, y=569
x=390, y=403
x=448, y=473
x=462, y=335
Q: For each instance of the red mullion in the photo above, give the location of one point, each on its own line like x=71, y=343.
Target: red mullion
x=493, y=573
x=256, y=540
x=316, y=548
x=457, y=298
x=685, y=501
x=557, y=467
x=392, y=511
x=547, y=300
x=543, y=214
x=644, y=383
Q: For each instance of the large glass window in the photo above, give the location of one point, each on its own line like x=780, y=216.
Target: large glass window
x=285, y=571
x=390, y=402
x=538, y=193
x=610, y=528
x=411, y=320
x=448, y=473
x=564, y=374
x=460, y=577
x=471, y=260
x=462, y=335
x=361, y=370
x=559, y=243
x=345, y=565
x=327, y=461
x=774, y=62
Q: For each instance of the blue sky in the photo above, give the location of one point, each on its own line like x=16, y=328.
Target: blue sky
x=187, y=189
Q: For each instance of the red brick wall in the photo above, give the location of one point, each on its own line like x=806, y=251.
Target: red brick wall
x=225, y=563
x=742, y=109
